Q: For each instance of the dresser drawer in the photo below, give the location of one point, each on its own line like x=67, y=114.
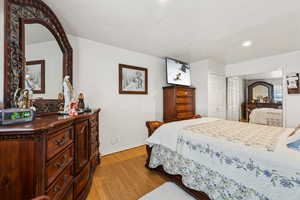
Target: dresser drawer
x=57, y=165
x=184, y=115
x=81, y=181
x=69, y=194
x=185, y=107
x=56, y=142
x=184, y=93
x=187, y=100
x=61, y=184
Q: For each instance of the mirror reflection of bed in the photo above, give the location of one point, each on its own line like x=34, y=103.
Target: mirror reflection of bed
x=256, y=98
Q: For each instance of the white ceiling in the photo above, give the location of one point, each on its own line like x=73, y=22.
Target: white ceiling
x=268, y=75
x=189, y=30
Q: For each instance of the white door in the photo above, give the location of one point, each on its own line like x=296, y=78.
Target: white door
x=235, y=94
x=217, y=96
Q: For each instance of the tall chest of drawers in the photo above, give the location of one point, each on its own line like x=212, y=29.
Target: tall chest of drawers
x=178, y=103
x=54, y=156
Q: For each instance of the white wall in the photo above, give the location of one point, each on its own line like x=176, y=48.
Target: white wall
x=289, y=61
x=1, y=49
x=52, y=54
x=122, y=117
x=200, y=72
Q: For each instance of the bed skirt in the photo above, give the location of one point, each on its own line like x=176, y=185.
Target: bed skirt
x=198, y=177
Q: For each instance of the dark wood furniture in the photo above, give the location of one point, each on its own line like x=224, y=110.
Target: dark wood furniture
x=179, y=103
x=251, y=106
x=53, y=155
x=17, y=14
x=152, y=126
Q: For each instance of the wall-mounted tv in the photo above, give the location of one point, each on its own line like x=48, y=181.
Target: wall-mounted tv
x=178, y=73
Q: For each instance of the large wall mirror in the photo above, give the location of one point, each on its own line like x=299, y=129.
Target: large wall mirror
x=43, y=70
x=261, y=92
x=38, y=54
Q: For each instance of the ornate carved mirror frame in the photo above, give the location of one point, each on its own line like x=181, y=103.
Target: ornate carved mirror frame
x=17, y=13
x=265, y=84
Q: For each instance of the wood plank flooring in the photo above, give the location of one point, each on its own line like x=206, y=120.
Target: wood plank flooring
x=123, y=176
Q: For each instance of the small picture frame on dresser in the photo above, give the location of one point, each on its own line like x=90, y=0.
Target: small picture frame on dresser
x=133, y=80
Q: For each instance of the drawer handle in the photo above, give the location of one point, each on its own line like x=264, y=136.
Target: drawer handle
x=4, y=182
x=57, y=188
x=60, y=164
x=60, y=142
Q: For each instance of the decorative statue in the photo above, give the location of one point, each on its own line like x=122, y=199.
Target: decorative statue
x=81, y=101
x=68, y=93
x=61, y=105
x=22, y=99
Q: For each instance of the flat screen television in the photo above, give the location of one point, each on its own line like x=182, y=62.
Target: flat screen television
x=178, y=73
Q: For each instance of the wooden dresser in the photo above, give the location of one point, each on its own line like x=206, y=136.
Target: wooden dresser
x=179, y=103
x=54, y=156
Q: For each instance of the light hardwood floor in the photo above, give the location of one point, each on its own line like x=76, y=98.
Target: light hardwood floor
x=123, y=176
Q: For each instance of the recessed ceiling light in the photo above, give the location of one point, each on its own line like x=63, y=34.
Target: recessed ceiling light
x=247, y=43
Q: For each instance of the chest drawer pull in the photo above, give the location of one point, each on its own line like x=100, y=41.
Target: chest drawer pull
x=60, y=164
x=60, y=142
x=4, y=182
x=57, y=188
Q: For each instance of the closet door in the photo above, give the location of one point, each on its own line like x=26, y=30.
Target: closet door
x=235, y=98
x=217, y=96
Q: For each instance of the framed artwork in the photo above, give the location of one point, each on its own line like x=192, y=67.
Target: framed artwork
x=133, y=80
x=293, y=83
x=35, y=76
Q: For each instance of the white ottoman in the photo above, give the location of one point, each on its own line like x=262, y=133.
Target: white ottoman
x=167, y=191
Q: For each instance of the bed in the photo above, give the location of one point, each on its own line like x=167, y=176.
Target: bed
x=267, y=116
x=215, y=159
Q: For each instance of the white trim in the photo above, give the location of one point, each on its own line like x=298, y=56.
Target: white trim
x=284, y=88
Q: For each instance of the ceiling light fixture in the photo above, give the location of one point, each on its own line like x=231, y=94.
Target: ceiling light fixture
x=247, y=43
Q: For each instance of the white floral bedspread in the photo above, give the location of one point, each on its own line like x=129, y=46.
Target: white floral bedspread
x=267, y=116
x=234, y=171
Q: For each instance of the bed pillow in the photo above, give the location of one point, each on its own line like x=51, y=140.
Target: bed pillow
x=293, y=142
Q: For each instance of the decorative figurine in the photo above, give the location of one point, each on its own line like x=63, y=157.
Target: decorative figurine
x=73, y=109
x=21, y=98
x=68, y=93
x=61, y=102
x=81, y=101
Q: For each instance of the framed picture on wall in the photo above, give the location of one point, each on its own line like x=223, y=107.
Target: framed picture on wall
x=35, y=76
x=293, y=85
x=133, y=80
